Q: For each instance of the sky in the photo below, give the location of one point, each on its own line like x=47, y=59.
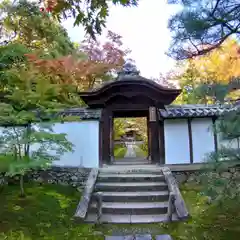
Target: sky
x=143, y=30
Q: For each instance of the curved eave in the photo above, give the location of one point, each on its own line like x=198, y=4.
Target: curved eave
x=171, y=94
x=147, y=83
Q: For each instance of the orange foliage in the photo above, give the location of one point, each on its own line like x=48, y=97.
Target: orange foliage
x=221, y=65
x=85, y=74
x=68, y=70
x=50, y=4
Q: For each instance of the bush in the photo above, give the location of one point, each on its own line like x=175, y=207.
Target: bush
x=119, y=151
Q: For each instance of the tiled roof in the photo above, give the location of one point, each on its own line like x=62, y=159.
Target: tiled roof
x=196, y=110
x=171, y=111
x=76, y=113
x=82, y=113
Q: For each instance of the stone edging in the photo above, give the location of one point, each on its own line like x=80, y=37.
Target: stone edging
x=193, y=176
x=178, y=201
x=71, y=176
x=86, y=196
x=76, y=177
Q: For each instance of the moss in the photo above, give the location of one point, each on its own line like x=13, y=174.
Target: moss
x=46, y=213
x=119, y=151
x=140, y=153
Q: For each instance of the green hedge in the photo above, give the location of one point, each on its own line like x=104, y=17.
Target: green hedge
x=119, y=151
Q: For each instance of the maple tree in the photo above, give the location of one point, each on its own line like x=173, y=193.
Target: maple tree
x=69, y=70
x=91, y=14
x=41, y=73
x=23, y=23
x=99, y=64
x=110, y=53
x=167, y=79
x=216, y=73
x=28, y=100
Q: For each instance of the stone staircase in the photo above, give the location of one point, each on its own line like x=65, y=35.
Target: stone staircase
x=131, y=161
x=130, y=194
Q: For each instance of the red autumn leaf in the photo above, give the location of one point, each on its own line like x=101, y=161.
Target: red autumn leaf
x=102, y=58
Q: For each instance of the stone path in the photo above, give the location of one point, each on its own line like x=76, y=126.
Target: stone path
x=139, y=237
x=130, y=153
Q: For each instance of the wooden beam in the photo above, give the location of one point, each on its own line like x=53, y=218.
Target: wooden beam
x=154, y=135
x=106, y=136
x=129, y=106
x=100, y=142
x=190, y=140
x=111, y=138
x=85, y=199
x=179, y=203
x=162, y=141
x=149, y=140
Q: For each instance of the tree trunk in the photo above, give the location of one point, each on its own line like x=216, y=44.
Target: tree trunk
x=27, y=144
x=22, y=192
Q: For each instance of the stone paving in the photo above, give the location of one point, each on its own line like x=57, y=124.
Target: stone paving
x=130, y=153
x=139, y=237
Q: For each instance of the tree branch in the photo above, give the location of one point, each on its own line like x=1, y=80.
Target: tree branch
x=215, y=8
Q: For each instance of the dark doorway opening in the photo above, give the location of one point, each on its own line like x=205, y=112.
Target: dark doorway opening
x=154, y=136
x=130, y=139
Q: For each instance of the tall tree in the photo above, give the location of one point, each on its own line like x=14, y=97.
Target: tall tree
x=215, y=73
x=202, y=26
x=32, y=97
x=109, y=53
x=24, y=24
x=29, y=31
x=222, y=64
x=100, y=63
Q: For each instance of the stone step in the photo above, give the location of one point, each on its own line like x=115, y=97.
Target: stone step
x=105, y=177
x=131, y=208
x=139, y=237
x=130, y=237
x=131, y=187
x=128, y=218
x=164, y=237
x=149, y=169
x=130, y=162
x=131, y=159
x=134, y=196
x=126, y=159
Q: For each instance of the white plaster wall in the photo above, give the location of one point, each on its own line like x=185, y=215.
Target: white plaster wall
x=176, y=141
x=1, y=133
x=85, y=137
x=2, y=130
x=203, y=138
